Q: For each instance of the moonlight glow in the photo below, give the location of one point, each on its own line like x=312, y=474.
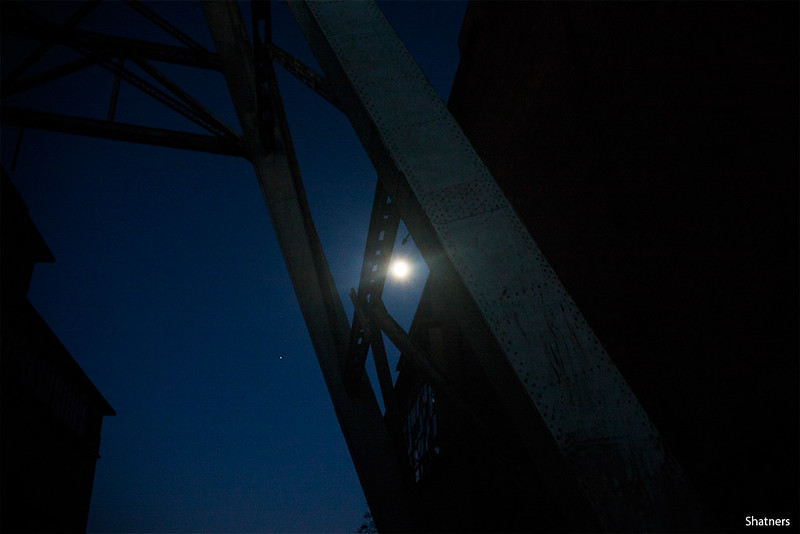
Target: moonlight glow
x=400, y=269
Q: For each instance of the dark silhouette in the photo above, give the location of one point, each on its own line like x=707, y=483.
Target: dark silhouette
x=51, y=411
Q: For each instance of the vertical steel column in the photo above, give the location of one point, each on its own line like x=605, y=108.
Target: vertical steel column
x=582, y=425
x=360, y=418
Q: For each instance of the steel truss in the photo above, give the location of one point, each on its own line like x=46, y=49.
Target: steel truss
x=581, y=426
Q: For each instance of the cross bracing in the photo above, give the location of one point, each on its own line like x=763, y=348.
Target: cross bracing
x=524, y=328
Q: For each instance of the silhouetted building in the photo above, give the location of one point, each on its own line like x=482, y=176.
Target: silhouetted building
x=51, y=412
x=652, y=151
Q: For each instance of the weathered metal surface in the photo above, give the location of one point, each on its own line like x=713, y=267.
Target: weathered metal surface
x=371, y=449
x=584, y=428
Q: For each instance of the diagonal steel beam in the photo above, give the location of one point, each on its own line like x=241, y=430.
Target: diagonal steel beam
x=301, y=71
x=18, y=85
x=381, y=235
x=187, y=108
x=115, y=45
x=378, y=468
x=53, y=122
x=165, y=25
x=50, y=38
x=374, y=337
x=583, y=427
x=194, y=104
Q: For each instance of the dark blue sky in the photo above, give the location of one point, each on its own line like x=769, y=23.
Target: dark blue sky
x=170, y=291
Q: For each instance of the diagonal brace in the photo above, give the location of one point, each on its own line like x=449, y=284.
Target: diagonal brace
x=381, y=235
x=359, y=416
x=301, y=71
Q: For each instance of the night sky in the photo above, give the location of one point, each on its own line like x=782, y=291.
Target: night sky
x=170, y=291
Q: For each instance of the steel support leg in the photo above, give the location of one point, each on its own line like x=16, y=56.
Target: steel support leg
x=360, y=418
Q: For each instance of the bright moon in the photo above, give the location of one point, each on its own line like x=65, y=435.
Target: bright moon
x=400, y=269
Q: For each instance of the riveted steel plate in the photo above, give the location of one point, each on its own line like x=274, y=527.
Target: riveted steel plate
x=585, y=404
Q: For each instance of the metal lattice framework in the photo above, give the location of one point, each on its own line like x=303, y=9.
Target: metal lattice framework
x=582, y=427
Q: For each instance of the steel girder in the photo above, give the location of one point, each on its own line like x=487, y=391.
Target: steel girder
x=583, y=427
x=184, y=104
x=371, y=448
x=581, y=424
x=133, y=133
x=114, y=45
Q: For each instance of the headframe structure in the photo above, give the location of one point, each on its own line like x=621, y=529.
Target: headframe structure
x=581, y=428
